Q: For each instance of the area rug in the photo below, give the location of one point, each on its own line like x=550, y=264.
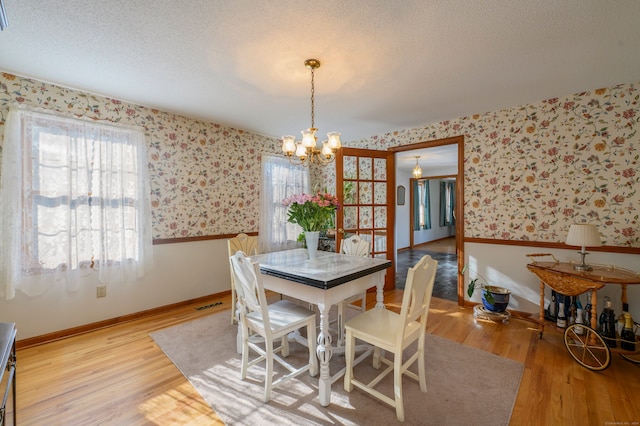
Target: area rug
x=464, y=385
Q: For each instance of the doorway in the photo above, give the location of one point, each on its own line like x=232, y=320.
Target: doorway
x=440, y=158
x=444, y=251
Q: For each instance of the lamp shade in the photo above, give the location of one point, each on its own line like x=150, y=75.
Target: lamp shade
x=583, y=235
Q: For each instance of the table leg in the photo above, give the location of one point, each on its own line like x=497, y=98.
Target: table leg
x=380, y=290
x=324, y=355
x=341, y=307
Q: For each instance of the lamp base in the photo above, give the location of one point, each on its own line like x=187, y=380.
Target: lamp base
x=582, y=266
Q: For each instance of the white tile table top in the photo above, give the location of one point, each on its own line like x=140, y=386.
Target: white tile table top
x=7, y=340
x=326, y=271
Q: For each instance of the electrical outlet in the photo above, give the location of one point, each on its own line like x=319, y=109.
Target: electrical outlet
x=101, y=291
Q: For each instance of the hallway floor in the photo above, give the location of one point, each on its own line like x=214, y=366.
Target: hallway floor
x=444, y=251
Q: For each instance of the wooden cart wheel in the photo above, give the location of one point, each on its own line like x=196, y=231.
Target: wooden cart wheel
x=628, y=358
x=587, y=347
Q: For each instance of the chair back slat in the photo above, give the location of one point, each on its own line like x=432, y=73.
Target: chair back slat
x=251, y=295
x=248, y=245
x=417, y=292
x=243, y=242
x=355, y=246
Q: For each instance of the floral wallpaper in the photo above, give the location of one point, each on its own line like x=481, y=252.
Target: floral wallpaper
x=204, y=177
x=532, y=170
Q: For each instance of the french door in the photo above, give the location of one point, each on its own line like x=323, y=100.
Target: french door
x=367, y=179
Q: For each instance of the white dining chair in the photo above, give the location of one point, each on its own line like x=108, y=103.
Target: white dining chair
x=271, y=322
x=249, y=245
x=352, y=246
x=392, y=332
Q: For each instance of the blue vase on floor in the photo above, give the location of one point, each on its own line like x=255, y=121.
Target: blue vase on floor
x=500, y=299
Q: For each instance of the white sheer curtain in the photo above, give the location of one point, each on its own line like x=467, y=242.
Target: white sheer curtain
x=75, y=203
x=280, y=180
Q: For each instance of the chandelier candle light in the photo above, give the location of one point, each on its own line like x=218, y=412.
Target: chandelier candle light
x=305, y=152
x=583, y=235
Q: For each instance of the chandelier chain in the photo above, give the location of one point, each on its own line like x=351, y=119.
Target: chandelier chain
x=313, y=93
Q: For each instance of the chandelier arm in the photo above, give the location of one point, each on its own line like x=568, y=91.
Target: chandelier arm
x=324, y=160
x=295, y=161
x=321, y=158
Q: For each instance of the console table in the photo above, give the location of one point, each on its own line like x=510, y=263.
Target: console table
x=8, y=373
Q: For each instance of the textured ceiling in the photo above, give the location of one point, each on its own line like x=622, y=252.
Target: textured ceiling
x=385, y=65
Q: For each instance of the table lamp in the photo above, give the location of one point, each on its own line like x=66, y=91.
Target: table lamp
x=583, y=235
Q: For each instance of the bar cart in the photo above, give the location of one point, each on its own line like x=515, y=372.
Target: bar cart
x=582, y=341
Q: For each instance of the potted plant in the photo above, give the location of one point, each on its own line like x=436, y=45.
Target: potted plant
x=312, y=212
x=494, y=298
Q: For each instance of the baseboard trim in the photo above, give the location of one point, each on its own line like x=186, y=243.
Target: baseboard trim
x=87, y=328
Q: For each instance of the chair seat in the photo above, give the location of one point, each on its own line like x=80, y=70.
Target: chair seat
x=283, y=315
x=380, y=326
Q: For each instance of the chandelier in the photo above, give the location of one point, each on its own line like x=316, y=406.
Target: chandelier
x=305, y=151
x=417, y=170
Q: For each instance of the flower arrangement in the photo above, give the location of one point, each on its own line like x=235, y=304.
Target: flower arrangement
x=311, y=212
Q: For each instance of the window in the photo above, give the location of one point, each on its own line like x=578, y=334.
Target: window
x=422, y=205
x=75, y=202
x=281, y=179
x=447, y=203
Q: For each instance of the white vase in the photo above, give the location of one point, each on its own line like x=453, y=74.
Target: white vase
x=311, y=238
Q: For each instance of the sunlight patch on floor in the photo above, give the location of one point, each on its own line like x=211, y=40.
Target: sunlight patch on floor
x=160, y=409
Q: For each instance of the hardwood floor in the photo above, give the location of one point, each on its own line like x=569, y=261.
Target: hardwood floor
x=444, y=245
x=118, y=376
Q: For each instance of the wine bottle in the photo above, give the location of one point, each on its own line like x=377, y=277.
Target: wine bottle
x=588, y=309
x=579, y=316
x=621, y=319
x=572, y=311
x=562, y=319
x=552, y=306
x=609, y=333
x=602, y=320
x=628, y=337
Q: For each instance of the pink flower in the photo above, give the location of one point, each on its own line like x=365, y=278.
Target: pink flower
x=311, y=212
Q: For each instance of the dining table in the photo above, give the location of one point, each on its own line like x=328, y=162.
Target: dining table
x=325, y=281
